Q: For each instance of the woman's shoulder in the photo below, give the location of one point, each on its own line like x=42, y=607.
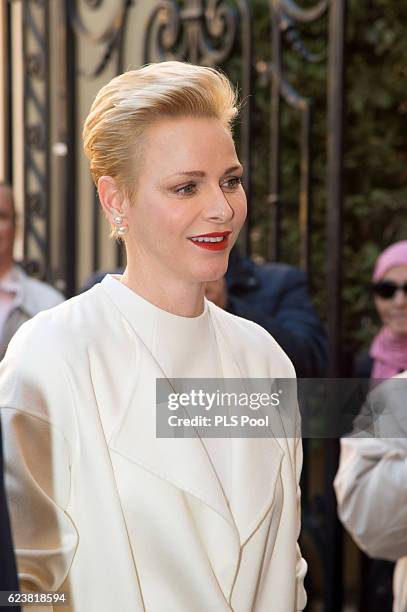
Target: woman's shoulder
x=248, y=336
x=36, y=371
x=63, y=328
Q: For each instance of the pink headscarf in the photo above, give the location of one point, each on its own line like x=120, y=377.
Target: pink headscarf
x=394, y=255
x=389, y=350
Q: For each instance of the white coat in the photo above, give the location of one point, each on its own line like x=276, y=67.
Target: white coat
x=371, y=483
x=31, y=297
x=120, y=519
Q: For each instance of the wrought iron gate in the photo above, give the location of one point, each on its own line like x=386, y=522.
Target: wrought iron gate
x=63, y=53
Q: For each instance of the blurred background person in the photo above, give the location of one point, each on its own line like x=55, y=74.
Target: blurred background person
x=387, y=354
x=371, y=486
x=386, y=357
x=21, y=297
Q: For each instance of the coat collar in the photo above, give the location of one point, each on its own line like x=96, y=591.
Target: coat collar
x=183, y=462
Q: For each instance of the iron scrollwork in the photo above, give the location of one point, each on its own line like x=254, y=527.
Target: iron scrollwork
x=36, y=137
x=110, y=38
x=190, y=31
x=286, y=15
x=290, y=14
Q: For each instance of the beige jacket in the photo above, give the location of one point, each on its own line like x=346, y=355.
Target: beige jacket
x=120, y=519
x=371, y=483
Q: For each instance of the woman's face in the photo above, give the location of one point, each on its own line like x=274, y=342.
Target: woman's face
x=189, y=185
x=393, y=312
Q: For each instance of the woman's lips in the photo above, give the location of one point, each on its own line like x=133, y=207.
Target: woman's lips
x=215, y=241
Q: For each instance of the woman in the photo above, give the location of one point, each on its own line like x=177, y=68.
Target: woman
x=387, y=355
x=371, y=470
x=102, y=508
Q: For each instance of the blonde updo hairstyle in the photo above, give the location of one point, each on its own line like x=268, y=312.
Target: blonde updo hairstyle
x=116, y=128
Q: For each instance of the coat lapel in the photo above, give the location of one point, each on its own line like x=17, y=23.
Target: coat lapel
x=183, y=462
x=256, y=461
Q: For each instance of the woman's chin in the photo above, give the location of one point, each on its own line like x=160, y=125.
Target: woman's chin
x=212, y=272
x=399, y=329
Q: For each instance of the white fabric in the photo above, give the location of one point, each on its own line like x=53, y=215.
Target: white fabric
x=27, y=297
x=123, y=520
x=184, y=347
x=371, y=484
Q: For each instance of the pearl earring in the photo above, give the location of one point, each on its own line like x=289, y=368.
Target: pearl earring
x=121, y=229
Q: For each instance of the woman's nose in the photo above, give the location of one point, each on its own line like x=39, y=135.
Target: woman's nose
x=400, y=297
x=219, y=208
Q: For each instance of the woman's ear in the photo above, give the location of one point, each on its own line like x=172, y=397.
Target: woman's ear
x=111, y=197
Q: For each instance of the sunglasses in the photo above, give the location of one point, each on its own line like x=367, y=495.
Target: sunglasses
x=387, y=289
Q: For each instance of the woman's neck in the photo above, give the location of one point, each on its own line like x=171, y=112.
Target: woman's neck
x=179, y=298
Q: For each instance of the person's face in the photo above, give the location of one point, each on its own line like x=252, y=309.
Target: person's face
x=7, y=229
x=189, y=185
x=393, y=312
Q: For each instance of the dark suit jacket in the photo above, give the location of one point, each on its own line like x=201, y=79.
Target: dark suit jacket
x=8, y=575
x=276, y=297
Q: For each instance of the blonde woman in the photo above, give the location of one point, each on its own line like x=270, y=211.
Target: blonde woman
x=101, y=507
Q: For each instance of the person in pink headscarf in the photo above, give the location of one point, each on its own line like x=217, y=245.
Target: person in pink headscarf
x=389, y=347
x=365, y=463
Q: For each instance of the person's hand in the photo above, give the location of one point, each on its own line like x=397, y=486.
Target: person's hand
x=217, y=292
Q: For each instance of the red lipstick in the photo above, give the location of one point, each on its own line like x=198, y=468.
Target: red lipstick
x=214, y=241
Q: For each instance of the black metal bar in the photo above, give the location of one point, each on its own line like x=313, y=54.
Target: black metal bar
x=336, y=86
x=96, y=238
x=36, y=135
x=305, y=206
x=333, y=572
x=247, y=116
x=71, y=173
x=47, y=157
x=273, y=199
x=25, y=231
x=9, y=126
x=147, y=34
x=119, y=255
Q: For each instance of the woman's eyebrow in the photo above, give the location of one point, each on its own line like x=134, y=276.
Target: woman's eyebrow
x=200, y=174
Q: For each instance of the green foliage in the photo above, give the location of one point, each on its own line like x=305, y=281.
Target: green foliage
x=375, y=160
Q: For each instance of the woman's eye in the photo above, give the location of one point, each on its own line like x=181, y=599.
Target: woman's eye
x=190, y=189
x=233, y=182
x=186, y=189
